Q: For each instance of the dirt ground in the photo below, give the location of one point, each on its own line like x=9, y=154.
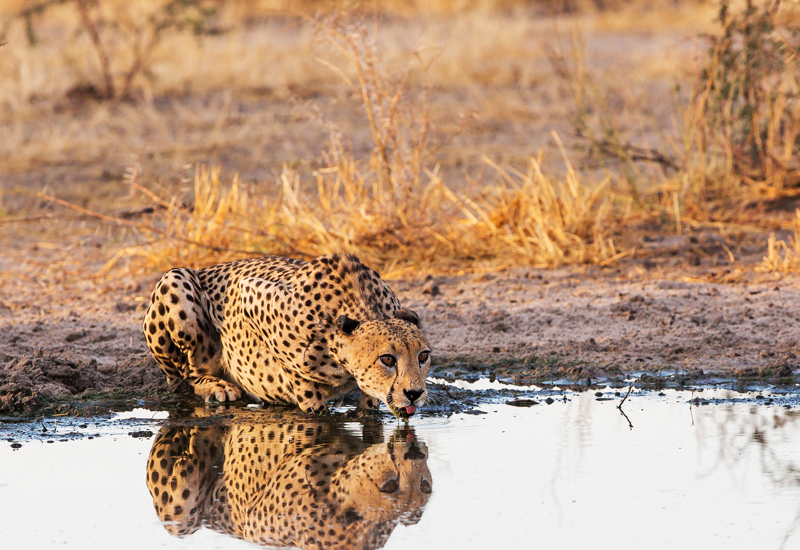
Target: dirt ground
x=524, y=324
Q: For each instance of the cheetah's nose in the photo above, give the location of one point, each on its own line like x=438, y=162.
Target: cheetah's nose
x=412, y=395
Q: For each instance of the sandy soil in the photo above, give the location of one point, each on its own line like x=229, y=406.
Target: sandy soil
x=523, y=324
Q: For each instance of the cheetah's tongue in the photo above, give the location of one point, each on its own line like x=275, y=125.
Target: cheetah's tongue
x=411, y=409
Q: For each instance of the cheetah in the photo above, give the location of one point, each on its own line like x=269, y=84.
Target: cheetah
x=282, y=330
x=288, y=481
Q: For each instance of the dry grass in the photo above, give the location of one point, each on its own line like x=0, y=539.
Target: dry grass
x=782, y=256
x=533, y=221
x=742, y=127
x=391, y=208
x=257, y=45
x=394, y=205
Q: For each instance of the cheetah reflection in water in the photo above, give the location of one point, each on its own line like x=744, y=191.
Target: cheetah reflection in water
x=289, y=481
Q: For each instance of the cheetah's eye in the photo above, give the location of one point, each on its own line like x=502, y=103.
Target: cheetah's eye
x=423, y=357
x=388, y=360
x=390, y=486
x=425, y=487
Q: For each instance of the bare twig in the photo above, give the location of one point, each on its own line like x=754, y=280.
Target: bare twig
x=94, y=35
x=443, y=386
x=630, y=425
x=26, y=14
x=140, y=60
x=630, y=388
x=25, y=219
x=120, y=221
x=629, y=151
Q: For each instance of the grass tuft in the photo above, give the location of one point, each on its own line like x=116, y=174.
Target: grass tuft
x=782, y=256
x=390, y=207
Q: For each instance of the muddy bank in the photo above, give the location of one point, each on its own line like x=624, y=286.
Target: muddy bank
x=66, y=346
x=42, y=383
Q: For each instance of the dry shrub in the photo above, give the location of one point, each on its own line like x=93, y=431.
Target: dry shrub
x=742, y=136
x=392, y=208
x=536, y=222
x=783, y=257
x=614, y=117
x=123, y=36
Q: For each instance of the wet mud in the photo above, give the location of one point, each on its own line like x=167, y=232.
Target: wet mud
x=46, y=383
x=70, y=351
x=51, y=384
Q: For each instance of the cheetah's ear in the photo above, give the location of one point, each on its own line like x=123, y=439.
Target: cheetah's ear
x=346, y=324
x=407, y=315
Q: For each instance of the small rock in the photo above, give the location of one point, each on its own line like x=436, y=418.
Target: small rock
x=77, y=335
x=522, y=402
x=431, y=287
x=16, y=445
x=122, y=307
x=500, y=327
x=549, y=401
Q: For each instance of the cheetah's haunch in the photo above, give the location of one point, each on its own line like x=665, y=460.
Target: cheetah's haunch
x=287, y=331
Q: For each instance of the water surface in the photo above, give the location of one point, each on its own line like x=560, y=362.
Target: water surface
x=572, y=473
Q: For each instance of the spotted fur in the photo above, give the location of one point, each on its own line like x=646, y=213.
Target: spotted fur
x=307, y=484
x=287, y=331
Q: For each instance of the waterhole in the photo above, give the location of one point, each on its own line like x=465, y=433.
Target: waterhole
x=555, y=468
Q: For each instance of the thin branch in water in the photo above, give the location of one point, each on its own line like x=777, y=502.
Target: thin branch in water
x=630, y=388
x=630, y=425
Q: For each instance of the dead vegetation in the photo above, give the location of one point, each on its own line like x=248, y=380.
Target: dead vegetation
x=391, y=207
x=721, y=154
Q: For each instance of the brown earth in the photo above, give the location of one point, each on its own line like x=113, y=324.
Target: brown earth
x=523, y=324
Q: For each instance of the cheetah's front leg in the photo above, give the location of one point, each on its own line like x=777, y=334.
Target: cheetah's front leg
x=367, y=403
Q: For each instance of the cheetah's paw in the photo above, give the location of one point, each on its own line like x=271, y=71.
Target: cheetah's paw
x=217, y=390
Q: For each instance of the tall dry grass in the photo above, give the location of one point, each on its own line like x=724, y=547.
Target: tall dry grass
x=391, y=207
x=783, y=256
x=535, y=221
x=737, y=143
x=742, y=127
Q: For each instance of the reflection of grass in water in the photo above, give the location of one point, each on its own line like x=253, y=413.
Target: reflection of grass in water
x=744, y=431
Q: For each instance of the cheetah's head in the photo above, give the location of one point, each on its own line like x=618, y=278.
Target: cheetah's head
x=389, y=359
